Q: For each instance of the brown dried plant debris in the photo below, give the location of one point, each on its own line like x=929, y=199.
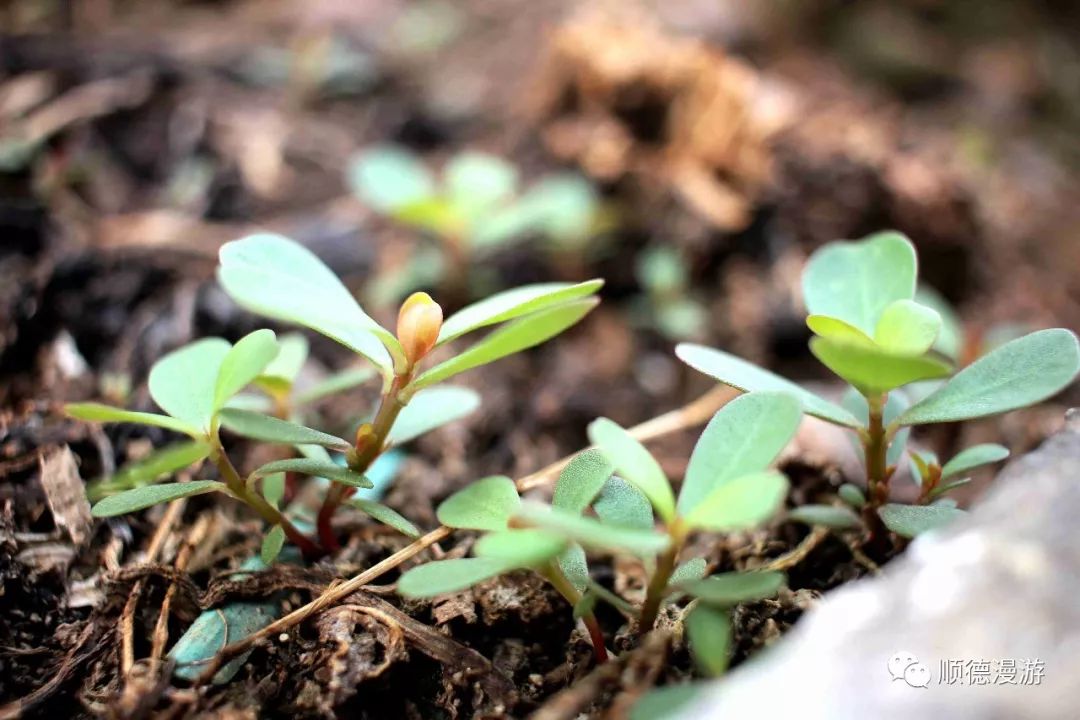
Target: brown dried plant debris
x=621, y=98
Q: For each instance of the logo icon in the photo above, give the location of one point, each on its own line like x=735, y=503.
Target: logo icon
x=905, y=666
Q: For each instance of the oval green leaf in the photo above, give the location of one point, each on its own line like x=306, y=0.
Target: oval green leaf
x=386, y=515
x=744, y=436
x=162, y=462
x=477, y=182
x=873, y=370
x=273, y=276
x=183, y=382
x=620, y=503
x=911, y=520
x=486, y=504
x=593, y=533
x=732, y=588
x=519, y=335
x=972, y=458
x=387, y=177
x=272, y=544
x=247, y=359
x=97, y=412
x=581, y=480
x=830, y=516
x=742, y=503
x=287, y=364
x=527, y=548
x=907, y=328
x=709, y=633
x=512, y=304
x=144, y=497
x=432, y=408
x=447, y=576
x=634, y=463
x=1017, y=374
x=856, y=281
x=746, y=376
x=270, y=429
x=838, y=330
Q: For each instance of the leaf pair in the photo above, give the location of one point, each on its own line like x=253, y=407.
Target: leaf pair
x=727, y=486
x=278, y=278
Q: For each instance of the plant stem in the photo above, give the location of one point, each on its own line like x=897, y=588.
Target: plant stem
x=554, y=575
x=362, y=457
x=258, y=503
x=654, y=593
x=875, y=451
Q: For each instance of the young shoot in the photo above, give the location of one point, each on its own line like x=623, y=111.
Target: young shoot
x=271, y=275
x=608, y=500
x=871, y=331
x=476, y=207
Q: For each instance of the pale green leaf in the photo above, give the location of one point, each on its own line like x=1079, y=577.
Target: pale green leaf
x=247, y=359
x=709, y=633
x=486, y=504
x=512, y=304
x=907, y=328
x=744, y=436
x=740, y=504
x=581, y=481
x=838, y=330
x=873, y=370
x=385, y=515
x=911, y=520
x=273, y=488
x=292, y=354
x=942, y=489
x=270, y=429
x=96, y=412
x=689, y=571
x=281, y=279
x=477, y=182
x=519, y=335
x=575, y=567
x=855, y=281
x=386, y=177
x=143, y=497
x=732, y=588
x=315, y=468
x=830, y=516
x=593, y=533
x=432, y=408
x=272, y=544
x=972, y=458
x=526, y=548
x=447, y=576
x=667, y=701
x=635, y=464
x=852, y=495
x=743, y=375
x=950, y=340
x=1017, y=374
x=621, y=503
x=183, y=382
x=159, y=463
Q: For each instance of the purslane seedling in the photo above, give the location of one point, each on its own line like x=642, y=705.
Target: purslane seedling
x=474, y=208
x=871, y=332
x=605, y=501
x=280, y=279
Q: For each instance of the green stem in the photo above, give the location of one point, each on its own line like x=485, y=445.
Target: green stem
x=875, y=452
x=665, y=566
x=258, y=503
x=554, y=575
x=361, y=458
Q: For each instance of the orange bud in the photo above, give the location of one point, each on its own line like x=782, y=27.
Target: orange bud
x=418, y=325
x=365, y=435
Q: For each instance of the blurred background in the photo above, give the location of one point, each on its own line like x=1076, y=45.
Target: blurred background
x=691, y=152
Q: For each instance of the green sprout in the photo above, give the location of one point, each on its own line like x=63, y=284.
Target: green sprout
x=605, y=501
x=476, y=207
x=869, y=330
x=197, y=385
x=666, y=303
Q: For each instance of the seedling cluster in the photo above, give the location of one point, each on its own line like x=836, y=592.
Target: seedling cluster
x=605, y=501
x=870, y=331
x=473, y=209
x=199, y=386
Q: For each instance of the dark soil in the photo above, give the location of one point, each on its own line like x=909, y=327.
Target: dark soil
x=160, y=147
